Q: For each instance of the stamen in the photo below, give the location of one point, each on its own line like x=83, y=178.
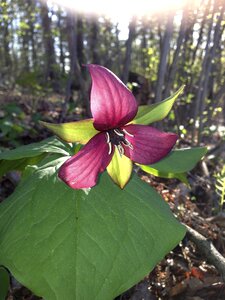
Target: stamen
x=124, y=130
x=110, y=148
x=116, y=137
x=118, y=132
x=128, y=144
x=120, y=149
x=107, y=138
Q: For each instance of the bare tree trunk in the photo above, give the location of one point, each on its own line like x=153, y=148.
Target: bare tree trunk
x=144, y=44
x=80, y=40
x=118, y=62
x=220, y=95
x=185, y=70
x=75, y=70
x=48, y=43
x=107, y=39
x=25, y=52
x=206, y=13
x=127, y=61
x=25, y=36
x=173, y=67
x=199, y=98
x=6, y=37
x=164, y=51
x=61, y=48
x=209, y=63
x=94, y=41
x=31, y=21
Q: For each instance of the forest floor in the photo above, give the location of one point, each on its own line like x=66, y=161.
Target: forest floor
x=184, y=274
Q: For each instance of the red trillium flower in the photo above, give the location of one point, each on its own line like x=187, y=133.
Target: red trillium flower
x=111, y=140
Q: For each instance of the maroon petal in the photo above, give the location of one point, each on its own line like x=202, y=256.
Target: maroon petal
x=112, y=104
x=81, y=170
x=149, y=144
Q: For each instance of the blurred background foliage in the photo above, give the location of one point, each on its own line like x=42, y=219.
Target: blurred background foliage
x=43, y=47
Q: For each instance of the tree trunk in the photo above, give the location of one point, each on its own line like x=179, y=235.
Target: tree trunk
x=164, y=51
x=49, y=58
x=25, y=36
x=80, y=41
x=127, y=61
x=204, y=19
x=94, y=41
x=31, y=21
x=61, y=47
x=173, y=67
x=75, y=70
x=6, y=37
x=209, y=63
x=198, y=98
x=118, y=62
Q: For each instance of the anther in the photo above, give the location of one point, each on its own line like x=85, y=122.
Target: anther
x=124, y=130
x=118, y=132
x=107, y=137
x=128, y=144
x=120, y=149
x=131, y=147
x=110, y=148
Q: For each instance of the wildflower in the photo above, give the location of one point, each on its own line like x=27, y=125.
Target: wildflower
x=111, y=140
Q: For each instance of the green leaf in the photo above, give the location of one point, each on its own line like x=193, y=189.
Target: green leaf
x=50, y=145
x=4, y=283
x=148, y=114
x=220, y=185
x=18, y=164
x=178, y=161
x=19, y=158
x=181, y=176
x=176, y=164
x=67, y=244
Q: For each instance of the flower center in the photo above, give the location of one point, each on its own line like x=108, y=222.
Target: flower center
x=117, y=138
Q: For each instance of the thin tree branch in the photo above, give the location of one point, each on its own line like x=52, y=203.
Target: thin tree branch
x=207, y=249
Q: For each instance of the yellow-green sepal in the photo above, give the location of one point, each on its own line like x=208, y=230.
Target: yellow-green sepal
x=120, y=169
x=148, y=114
x=79, y=131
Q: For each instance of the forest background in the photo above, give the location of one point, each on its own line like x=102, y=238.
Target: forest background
x=43, y=48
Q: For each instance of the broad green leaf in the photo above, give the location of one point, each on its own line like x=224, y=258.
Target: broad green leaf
x=178, y=161
x=19, y=158
x=79, y=131
x=4, y=283
x=65, y=244
x=181, y=176
x=18, y=164
x=50, y=145
x=148, y=114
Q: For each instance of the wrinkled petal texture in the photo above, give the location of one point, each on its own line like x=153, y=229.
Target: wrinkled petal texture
x=149, y=144
x=112, y=103
x=81, y=170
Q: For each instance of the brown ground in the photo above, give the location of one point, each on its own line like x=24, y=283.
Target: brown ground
x=184, y=274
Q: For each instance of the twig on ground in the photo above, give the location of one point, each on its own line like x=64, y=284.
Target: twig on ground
x=208, y=250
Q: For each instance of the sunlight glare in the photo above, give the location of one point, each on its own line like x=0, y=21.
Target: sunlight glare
x=120, y=9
